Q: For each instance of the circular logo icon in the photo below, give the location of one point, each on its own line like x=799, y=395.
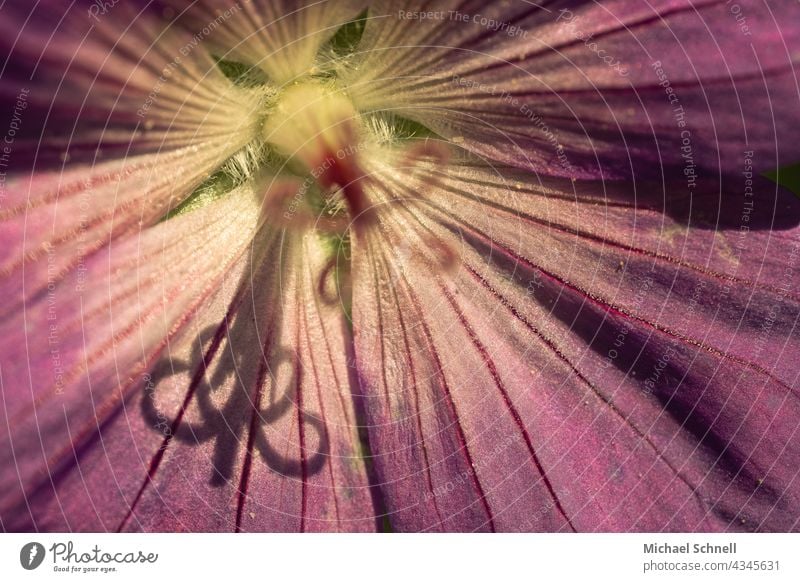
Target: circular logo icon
x=31, y=555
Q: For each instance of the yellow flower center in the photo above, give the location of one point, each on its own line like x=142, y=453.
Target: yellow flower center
x=318, y=126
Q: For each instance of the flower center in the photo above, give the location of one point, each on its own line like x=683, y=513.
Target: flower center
x=318, y=126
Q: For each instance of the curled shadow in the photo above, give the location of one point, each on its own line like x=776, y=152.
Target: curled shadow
x=227, y=424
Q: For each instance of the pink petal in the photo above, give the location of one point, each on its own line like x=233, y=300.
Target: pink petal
x=78, y=350
x=542, y=386
x=147, y=122
x=607, y=246
x=56, y=220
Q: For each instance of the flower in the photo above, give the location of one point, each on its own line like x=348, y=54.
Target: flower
x=298, y=266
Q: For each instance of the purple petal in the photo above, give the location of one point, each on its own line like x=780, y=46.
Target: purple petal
x=558, y=380
x=114, y=85
x=578, y=93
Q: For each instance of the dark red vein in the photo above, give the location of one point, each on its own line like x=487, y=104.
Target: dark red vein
x=626, y=315
x=318, y=384
x=255, y=417
x=462, y=439
x=507, y=400
x=415, y=390
x=300, y=425
x=578, y=374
